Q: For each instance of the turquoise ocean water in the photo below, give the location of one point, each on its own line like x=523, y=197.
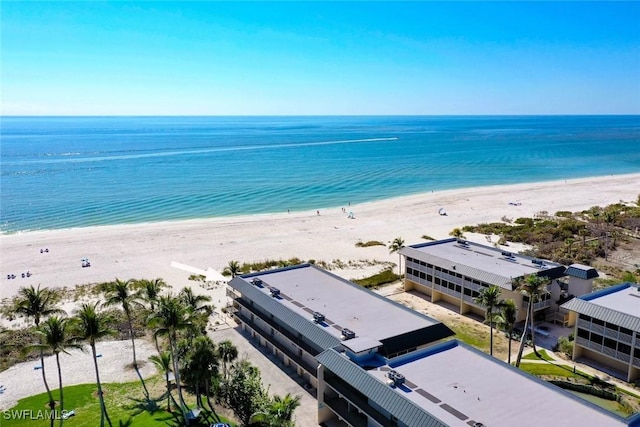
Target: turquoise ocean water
x=59, y=172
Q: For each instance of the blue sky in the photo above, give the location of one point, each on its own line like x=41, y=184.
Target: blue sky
x=319, y=58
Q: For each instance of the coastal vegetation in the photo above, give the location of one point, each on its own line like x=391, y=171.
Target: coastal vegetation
x=616, y=399
x=384, y=277
x=269, y=264
x=369, y=243
x=589, y=237
x=198, y=378
x=394, y=247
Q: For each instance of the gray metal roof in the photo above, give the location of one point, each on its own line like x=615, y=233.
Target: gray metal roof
x=455, y=384
x=481, y=262
x=582, y=271
x=403, y=409
x=295, y=321
x=306, y=289
x=618, y=304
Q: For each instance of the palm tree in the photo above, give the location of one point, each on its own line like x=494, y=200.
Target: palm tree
x=170, y=317
x=233, y=268
x=196, y=303
x=279, y=413
x=92, y=326
x=490, y=298
x=38, y=303
x=532, y=286
x=56, y=337
x=227, y=352
x=120, y=293
x=150, y=291
x=163, y=363
x=507, y=320
x=395, y=246
x=201, y=364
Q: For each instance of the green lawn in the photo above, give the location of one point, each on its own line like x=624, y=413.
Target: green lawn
x=538, y=369
x=532, y=356
x=123, y=401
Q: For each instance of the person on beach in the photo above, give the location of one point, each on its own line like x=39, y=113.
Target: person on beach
x=318, y=213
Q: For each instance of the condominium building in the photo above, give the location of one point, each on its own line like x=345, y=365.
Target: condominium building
x=300, y=311
x=607, y=328
x=376, y=363
x=455, y=271
x=449, y=384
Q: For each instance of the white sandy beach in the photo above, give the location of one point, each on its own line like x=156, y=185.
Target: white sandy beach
x=147, y=250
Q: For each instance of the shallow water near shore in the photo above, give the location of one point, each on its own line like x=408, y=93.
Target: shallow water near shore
x=60, y=172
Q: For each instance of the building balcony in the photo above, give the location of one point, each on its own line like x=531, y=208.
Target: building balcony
x=471, y=300
x=341, y=408
x=540, y=305
x=447, y=291
x=356, y=399
x=311, y=369
x=276, y=326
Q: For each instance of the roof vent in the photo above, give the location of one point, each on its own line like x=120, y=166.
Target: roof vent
x=508, y=255
x=318, y=317
x=256, y=282
x=275, y=292
x=478, y=425
x=395, y=378
x=348, y=334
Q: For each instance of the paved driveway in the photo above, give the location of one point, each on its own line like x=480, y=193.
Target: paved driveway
x=273, y=373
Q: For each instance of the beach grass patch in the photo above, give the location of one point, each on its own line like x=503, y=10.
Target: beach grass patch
x=382, y=278
x=369, y=243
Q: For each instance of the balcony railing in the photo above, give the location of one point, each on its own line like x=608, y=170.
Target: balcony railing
x=624, y=338
x=540, y=305
x=471, y=300
x=296, y=358
x=447, y=291
x=276, y=326
x=636, y=362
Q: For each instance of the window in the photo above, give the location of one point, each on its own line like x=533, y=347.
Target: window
x=625, y=331
x=429, y=278
x=437, y=281
x=597, y=322
x=422, y=275
x=467, y=292
x=585, y=318
x=583, y=333
x=624, y=348
x=608, y=342
x=596, y=338
x=458, y=288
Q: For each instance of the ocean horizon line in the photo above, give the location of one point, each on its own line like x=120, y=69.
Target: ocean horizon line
x=532, y=115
